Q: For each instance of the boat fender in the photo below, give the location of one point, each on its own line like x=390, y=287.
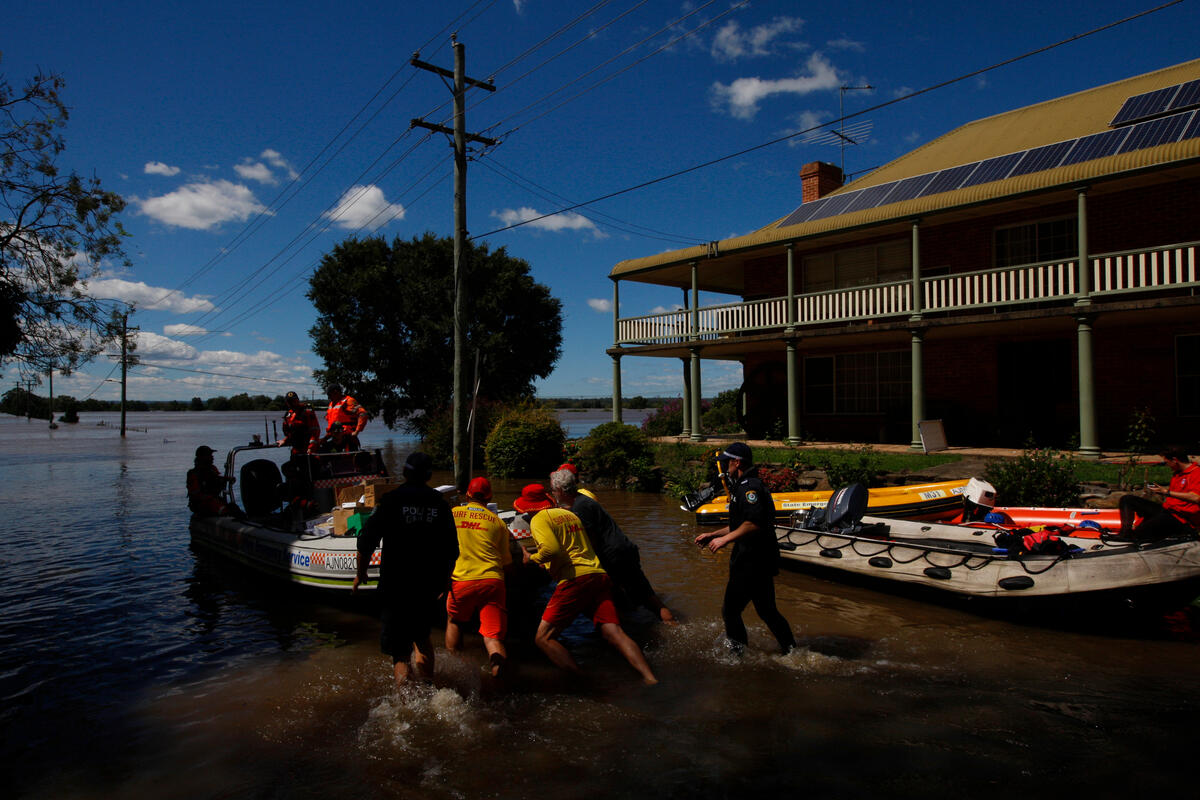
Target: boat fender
x=883, y=562
x=938, y=573
x=828, y=553
x=1015, y=583
x=784, y=544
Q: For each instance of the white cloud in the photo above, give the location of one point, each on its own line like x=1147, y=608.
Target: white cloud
x=846, y=44
x=364, y=207
x=666, y=309
x=147, y=297
x=600, y=304
x=151, y=345
x=568, y=221
x=201, y=206
x=256, y=171
x=744, y=94
x=184, y=329
x=732, y=43
x=276, y=160
x=159, y=168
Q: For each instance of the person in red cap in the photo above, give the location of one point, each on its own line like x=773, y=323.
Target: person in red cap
x=582, y=585
x=574, y=470
x=477, y=583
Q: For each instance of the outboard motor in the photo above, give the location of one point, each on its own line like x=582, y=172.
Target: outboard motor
x=694, y=500
x=260, y=481
x=979, y=498
x=846, y=507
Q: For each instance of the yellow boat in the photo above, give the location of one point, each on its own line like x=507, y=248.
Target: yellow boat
x=926, y=501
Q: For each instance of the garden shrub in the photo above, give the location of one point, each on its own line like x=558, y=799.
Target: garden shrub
x=619, y=453
x=779, y=478
x=845, y=466
x=722, y=415
x=524, y=441
x=683, y=470
x=1037, y=478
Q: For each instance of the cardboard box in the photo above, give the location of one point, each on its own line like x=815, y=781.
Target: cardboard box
x=374, y=492
x=348, y=519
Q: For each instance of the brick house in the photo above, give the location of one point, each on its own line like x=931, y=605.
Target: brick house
x=1033, y=273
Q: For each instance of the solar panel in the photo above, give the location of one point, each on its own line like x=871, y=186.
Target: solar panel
x=1098, y=145
x=993, y=169
x=1155, y=132
x=803, y=213
x=1189, y=96
x=833, y=206
x=1141, y=106
x=871, y=197
x=1040, y=158
x=909, y=188
x=1193, y=129
x=948, y=179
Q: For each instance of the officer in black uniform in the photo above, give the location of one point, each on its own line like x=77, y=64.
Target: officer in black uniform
x=754, y=562
x=423, y=542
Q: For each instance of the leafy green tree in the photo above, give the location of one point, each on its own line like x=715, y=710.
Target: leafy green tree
x=56, y=231
x=385, y=326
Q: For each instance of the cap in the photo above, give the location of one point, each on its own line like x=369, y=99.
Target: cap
x=533, y=498
x=740, y=451
x=570, y=467
x=291, y=396
x=419, y=464
x=333, y=388
x=204, y=450
x=479, y=489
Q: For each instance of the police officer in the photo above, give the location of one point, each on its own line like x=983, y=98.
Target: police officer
x=754, y=562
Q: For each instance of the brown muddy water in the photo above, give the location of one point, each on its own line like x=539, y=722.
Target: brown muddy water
x=132, y=666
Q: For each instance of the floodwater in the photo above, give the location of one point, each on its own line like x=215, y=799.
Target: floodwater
x=132, y=666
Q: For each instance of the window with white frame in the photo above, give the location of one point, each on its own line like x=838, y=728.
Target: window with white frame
x=857, y=383
x=1034, y=242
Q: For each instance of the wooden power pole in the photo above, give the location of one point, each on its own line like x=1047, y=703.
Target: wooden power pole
x=461, y=137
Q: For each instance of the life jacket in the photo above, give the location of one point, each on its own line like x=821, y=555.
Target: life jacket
x=301, y=429
x=1042, y=539
x=347, y=412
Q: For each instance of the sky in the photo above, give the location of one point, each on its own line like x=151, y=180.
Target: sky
x=249, y=138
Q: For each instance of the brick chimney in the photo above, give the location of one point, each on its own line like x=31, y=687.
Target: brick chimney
x=818, y=179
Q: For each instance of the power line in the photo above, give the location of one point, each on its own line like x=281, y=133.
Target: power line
x=878, y=106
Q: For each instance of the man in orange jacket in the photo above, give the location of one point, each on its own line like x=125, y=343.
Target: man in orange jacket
x=345, y=411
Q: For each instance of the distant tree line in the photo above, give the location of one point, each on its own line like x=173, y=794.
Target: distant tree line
x=19, y=402
x=636, y=402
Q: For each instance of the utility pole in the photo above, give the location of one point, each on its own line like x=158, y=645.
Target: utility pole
x=124, y=366
x=461, y=137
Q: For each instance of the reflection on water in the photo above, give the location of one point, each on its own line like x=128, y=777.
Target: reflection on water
x=163, y=671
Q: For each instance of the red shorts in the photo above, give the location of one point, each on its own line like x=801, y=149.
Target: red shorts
x=590, y=595
x=487, y=598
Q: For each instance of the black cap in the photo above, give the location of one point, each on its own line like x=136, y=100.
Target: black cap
x=333, y=388
x=204, y=450
x=291, y=396
x=419, y=464
x=740, y=451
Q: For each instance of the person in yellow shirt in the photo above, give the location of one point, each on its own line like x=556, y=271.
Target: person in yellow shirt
x=582, y=587
x=477, y=584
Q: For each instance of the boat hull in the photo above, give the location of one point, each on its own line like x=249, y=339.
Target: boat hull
x=965, y=562
x=932, y=501
x=318, y=561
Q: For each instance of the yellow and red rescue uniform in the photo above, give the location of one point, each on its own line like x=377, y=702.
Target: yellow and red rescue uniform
x=347, y=412
x=1187, y=481
x=477, y=583
x=301, y=430
x=583, y=585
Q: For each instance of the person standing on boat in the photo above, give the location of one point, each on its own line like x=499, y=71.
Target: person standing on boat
x=477, y=584
x=754, y=562
x=301, y=430
x=582, y=585
x=1179, y=513
x=205, y=484
x=344, y=410
x=419, y=528
x=618, y=554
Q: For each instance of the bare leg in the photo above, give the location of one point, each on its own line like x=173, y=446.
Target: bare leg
x=549, y=644
x=616, y=636
x=497, y=655
x=423, y=659
x=453, y=636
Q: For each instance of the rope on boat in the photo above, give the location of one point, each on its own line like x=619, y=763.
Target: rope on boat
x=972, y=561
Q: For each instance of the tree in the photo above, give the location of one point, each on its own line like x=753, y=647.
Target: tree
x=56, y=231
x=385, y=325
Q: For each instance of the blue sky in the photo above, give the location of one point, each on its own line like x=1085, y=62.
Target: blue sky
x=248, y=138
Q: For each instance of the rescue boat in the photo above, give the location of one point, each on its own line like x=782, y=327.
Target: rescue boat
x=301, y=548
x=968, y=561
x=940, y=500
